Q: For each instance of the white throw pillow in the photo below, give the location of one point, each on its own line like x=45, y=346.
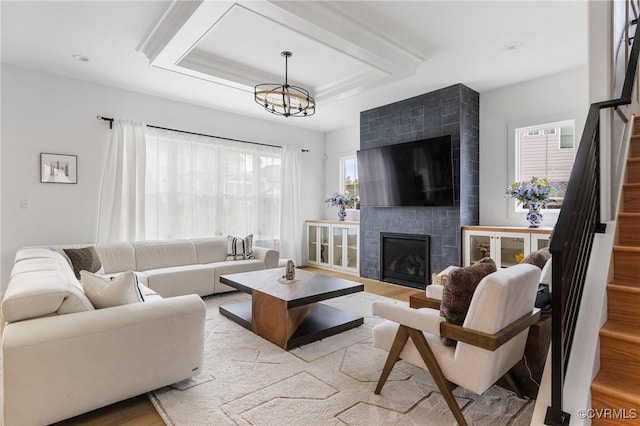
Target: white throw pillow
x=240, y=248
x=105, y=292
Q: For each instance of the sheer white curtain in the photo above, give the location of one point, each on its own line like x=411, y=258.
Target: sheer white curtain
x=121, y=215
x=291, y=216
x=200, y=186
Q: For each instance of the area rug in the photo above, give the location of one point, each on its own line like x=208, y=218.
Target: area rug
x=247, y=380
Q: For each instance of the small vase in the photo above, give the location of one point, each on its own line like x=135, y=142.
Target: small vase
x=534, y=216
x=342, y=213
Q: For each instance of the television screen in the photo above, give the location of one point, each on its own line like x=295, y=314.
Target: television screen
x=416, y=173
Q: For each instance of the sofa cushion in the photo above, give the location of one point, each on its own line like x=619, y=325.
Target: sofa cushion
x=538, y=258
x=41, y=293
x=240, y=248
x=164, y=254
x=37, y=253
x=84, y=259
x=148, y=294
x=458, y=291
x=117, y=257
x=38, y=264
x=234, y=267
x=106, y=292
x=179, y=280
x=209, y=250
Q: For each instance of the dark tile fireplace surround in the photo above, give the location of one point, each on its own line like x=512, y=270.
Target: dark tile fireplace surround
x=450, y=111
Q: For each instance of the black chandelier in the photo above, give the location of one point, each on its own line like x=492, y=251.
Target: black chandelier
x=290, y=101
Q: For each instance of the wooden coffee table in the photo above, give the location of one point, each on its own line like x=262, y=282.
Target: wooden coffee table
x=287, y=313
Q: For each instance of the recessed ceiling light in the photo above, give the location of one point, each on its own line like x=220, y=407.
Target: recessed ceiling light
x=80, y=58
x=513, y=45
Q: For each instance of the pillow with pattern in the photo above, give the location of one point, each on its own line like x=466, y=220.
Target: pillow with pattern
x=240, y=248
x=84, y=259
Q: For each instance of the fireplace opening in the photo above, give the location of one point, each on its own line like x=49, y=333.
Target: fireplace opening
x=405, y=259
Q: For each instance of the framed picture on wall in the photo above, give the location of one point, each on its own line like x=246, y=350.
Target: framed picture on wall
x=58, y=168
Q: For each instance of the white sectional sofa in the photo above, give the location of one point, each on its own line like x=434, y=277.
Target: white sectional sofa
x=176, y=267
x=62, y=357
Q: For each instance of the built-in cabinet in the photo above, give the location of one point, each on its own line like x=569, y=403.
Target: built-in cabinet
x=334, y=244
x=318, y=244
x=507, y=246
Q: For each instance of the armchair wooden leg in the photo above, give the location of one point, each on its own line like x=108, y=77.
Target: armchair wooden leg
x=394, y=355
x=513, y=386
x=444, y=385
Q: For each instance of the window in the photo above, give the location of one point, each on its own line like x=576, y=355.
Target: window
x=566, y=137
x=199, y=186
x=546, y=150
x=349, y=175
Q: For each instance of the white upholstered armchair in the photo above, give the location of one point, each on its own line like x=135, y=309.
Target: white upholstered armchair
x=490, y=342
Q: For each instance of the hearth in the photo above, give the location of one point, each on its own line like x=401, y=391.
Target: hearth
x=405, y=259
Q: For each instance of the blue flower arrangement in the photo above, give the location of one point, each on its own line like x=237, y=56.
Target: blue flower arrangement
x=535, y=190
x=344, y=200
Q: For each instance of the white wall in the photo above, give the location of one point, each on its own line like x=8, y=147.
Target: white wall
x=46, y=113
x=546, y=98
x=340, y=142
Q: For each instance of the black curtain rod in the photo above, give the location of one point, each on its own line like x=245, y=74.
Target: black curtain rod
x=110, y=120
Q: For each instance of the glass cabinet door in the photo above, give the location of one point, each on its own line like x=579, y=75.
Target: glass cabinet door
x=479, y=247
x=539, y=241
x=324, y=244
x=318, y=244
x=337, y=246
x=352, y=248
x=512, y=249
x=313, y=243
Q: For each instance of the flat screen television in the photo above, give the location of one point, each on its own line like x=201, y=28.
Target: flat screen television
x=416, y=173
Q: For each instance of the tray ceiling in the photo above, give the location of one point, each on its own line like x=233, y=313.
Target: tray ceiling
x=238, y=44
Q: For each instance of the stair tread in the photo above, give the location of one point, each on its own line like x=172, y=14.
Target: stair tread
x=628, y=249
x=617, y=385
x=631, y=185
x=629, y=215
x=633, y=160
x=623, y=288
x=624, y=282
x=618, y=330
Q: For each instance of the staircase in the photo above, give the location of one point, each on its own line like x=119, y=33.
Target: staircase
x=615, y=391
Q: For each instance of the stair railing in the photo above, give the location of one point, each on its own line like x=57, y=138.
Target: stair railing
x=572, y=240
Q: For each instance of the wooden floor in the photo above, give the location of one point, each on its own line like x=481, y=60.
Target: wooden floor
x=139, y=411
